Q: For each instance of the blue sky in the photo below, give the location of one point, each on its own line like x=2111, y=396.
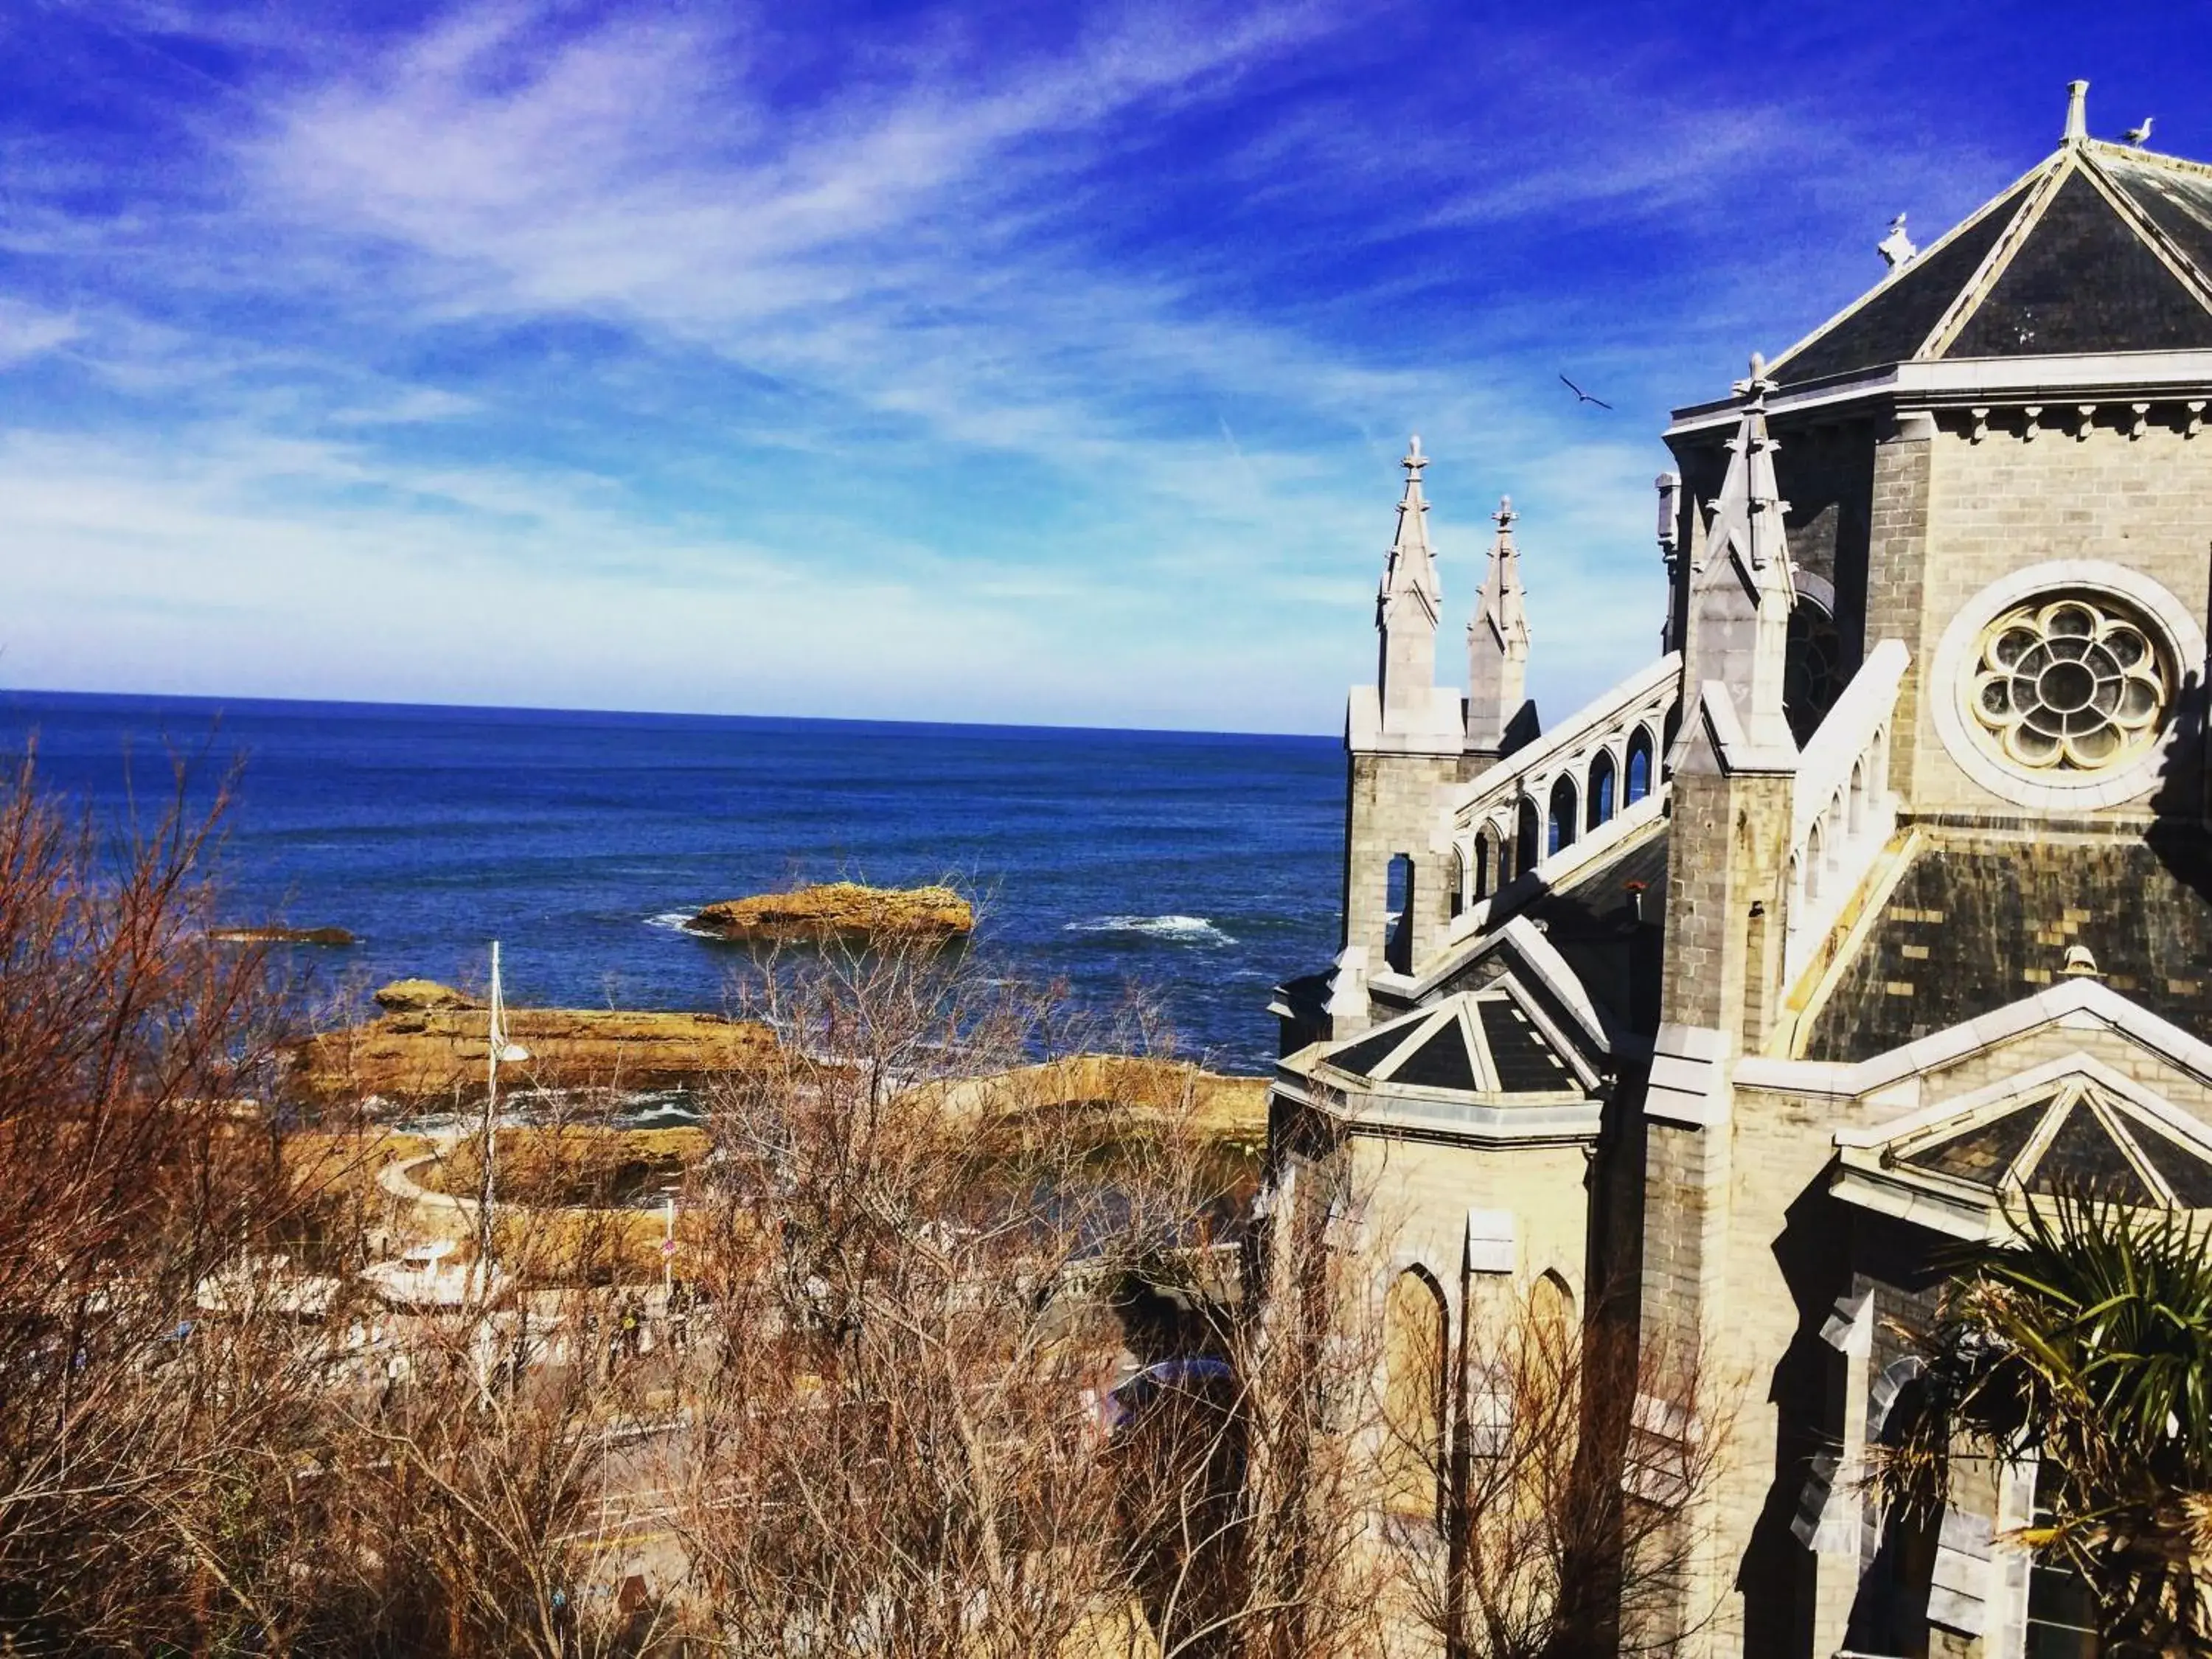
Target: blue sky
x=1027, y=363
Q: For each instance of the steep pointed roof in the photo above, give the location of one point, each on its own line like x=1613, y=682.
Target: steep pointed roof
x=2102, y=248
x=1747, y=514
x=1502, y=607
x=1742, y=591
x=1473, y=1043
x=1409, y=573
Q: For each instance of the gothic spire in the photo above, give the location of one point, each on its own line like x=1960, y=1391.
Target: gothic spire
x=1742, y=592
x=1406, y=611
x=1498, y=645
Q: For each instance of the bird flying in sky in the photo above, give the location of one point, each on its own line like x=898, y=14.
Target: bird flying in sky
x=1583, y=395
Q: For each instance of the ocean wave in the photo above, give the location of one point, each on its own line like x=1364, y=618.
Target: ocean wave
x=1181, y=930
x=676, y=921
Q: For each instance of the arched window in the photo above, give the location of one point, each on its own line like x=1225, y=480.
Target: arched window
x=1812, y=862
x=1458, y=879
x=1551, y=1304
x=1416, y=1356
x=1526, y=844
x=1399, y=900
x=1487, y=849
x=1638, y=771
x=1600, y=788
x=1812, y=671
x=1897, y=1579
x=1667, y=737
x=1561, y=832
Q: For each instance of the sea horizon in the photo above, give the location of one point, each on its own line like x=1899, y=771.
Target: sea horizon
x=220, y=701
x=1194, y=869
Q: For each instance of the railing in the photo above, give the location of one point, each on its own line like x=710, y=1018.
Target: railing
x=1842, y=811
x=1537, y=805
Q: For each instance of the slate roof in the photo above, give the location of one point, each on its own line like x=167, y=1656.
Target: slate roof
x=1593, y=923
x=2074, y=1138
x=1481, y=1043
x=1973, y=925
x=2102, y=248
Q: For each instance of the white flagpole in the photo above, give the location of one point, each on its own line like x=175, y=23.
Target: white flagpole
x=497, y=1037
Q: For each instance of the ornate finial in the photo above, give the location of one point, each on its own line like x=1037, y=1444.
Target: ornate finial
x=2077, y=112
x=1414, y=460
x=1754, y=386
x=1504, y=515
x=1896, y=248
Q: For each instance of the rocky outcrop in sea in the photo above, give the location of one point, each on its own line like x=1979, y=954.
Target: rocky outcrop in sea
x=840, y=911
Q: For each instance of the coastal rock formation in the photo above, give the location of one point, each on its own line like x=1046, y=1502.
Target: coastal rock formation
x=840, y=910
x=429, y=1048
x=412, y=996
x=331, y=936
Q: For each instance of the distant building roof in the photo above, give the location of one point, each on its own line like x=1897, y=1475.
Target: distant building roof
x=2102, y=248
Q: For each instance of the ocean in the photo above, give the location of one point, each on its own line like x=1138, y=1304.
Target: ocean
x=1198, y=869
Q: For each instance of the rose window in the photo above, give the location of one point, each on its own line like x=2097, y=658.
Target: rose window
x=2071, y=685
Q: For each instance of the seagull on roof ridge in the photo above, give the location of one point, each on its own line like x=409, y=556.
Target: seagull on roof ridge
x=2139, y=135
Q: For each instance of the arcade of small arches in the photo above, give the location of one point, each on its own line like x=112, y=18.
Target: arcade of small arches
x=1842, y=810
x=1553, y=807
x=1841, y=824
x=1832, y=854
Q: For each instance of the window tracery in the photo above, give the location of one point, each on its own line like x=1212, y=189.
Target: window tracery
x=2067, y=684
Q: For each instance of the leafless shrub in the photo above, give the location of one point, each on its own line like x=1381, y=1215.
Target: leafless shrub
x=1563, y=1464
x=921, y=1283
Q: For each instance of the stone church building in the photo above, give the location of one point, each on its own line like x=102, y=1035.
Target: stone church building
x=1879, y=899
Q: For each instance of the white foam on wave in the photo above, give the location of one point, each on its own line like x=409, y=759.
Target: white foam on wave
x=1181, y=930
x=676, y=921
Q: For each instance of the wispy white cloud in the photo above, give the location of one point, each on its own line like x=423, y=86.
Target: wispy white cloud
x=27, y=331
x=750, y=363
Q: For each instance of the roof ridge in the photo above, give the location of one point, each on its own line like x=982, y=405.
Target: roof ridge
x=1905, y=269
x=2105, y=147
x=1977, y=288
x=2147, y=229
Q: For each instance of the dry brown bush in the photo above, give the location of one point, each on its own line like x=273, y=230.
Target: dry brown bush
x=872, y=1425
x=899, y=1445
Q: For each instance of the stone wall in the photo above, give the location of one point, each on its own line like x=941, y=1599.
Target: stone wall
x=1394, y=805
x=1897, y=548
x=1952, y=514
x=1787, y=1261
x=1420, y=1192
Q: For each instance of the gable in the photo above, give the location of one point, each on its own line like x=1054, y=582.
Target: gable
x=1968, y=1163
x=1496, y=1043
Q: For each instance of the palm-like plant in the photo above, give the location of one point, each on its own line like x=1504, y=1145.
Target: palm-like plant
x=2086, y=1341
